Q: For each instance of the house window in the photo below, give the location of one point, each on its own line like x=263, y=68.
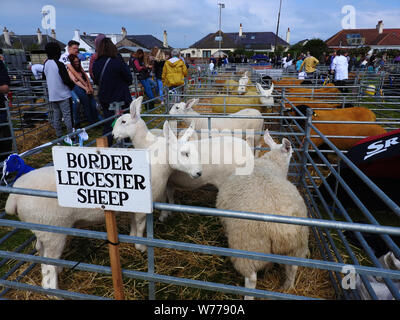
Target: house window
x=206, y=53
x=253, y=37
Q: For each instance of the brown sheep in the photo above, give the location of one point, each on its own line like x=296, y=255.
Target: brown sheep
x=313, y=103
x=358, y=114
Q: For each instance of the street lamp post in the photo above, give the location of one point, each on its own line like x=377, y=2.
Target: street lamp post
x=221, y=6
x=277, y=26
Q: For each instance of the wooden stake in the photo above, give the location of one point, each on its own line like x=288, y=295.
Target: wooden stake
x=113, y=247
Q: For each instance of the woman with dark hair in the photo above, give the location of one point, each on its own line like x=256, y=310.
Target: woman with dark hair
x=59, y=87
x=143, y=73
x=84, y=91
x=113, y=77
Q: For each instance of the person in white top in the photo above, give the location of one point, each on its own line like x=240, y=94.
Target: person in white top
x=59, y=87
x=37, y=70
x=73, y=48
x=340, y=66
x=211, y=66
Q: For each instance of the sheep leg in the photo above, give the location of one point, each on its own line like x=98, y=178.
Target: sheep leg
x=250, y=283
x=291, y=271
x=140, y=221
x=51, y=248
x=170, y=190
x=39, y=247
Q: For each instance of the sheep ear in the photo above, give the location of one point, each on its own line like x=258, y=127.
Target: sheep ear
x=269, y=91
x=188, y=133
x=135, y=107
x=268, y=140
x=286, y=146
x=168, y=134
x=191, y=103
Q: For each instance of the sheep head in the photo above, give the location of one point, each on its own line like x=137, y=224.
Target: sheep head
x=243, y=81
x=280, y=154
x=265, y=92
x=183, y=154
x=127, y=125
x=184, y=108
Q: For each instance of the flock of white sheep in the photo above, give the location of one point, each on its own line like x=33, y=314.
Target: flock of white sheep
x=245, y=183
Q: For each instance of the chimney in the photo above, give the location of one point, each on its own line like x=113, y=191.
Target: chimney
x=39, y=36
x=288, y=36
x=53, y=33
x=165, y=42
x=77, y=36
x=6, y=36
x=123, y=32
x=240, y=30
x=379, y=27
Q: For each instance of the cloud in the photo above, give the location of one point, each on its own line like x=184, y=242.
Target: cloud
x=187, y=21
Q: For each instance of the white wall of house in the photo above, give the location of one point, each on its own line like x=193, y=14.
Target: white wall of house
x=198, y=53
x=82, y=44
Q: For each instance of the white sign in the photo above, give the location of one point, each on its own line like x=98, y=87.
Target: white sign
x=103, y=178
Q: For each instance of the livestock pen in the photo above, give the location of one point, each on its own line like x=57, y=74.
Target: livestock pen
x=187, y=256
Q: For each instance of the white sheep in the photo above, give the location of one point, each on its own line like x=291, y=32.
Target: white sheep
x=266, y=190
x=245, y=126
x=266, y=98
x=243, y=81
x=47, y=211
x=220, y=156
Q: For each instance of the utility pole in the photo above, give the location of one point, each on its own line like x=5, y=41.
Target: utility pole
x=221, y=6
x=277, y=26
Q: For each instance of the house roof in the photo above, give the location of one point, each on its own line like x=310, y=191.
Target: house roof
x=248, y=40
x=146, y=41
x=89, y=40
x=131, y=49
x=27, y=42
x=371, y=36
x=209, y=41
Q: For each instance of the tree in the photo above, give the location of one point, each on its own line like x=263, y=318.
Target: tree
x=316, y=47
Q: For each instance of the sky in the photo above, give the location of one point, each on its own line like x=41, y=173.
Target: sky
x=187, y=21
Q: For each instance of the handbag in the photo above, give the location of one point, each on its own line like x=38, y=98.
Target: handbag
x=102, y=72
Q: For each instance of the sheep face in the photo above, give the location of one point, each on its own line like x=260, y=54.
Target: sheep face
x=183, y=155
x=183, y=108
x=127, y=124
x=280, y=153
x=242, y=85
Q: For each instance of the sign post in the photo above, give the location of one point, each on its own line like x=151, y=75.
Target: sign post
x=113, y=244
x=108, y=179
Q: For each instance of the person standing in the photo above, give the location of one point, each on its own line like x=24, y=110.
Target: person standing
x=309, y=64
x=94, y=55
x=143, y=74
x=59, y=87
x=340, y=66
x=174, y=72
x=158, y=65
x=84, y=91
x=113, y=77
x=5, y=145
